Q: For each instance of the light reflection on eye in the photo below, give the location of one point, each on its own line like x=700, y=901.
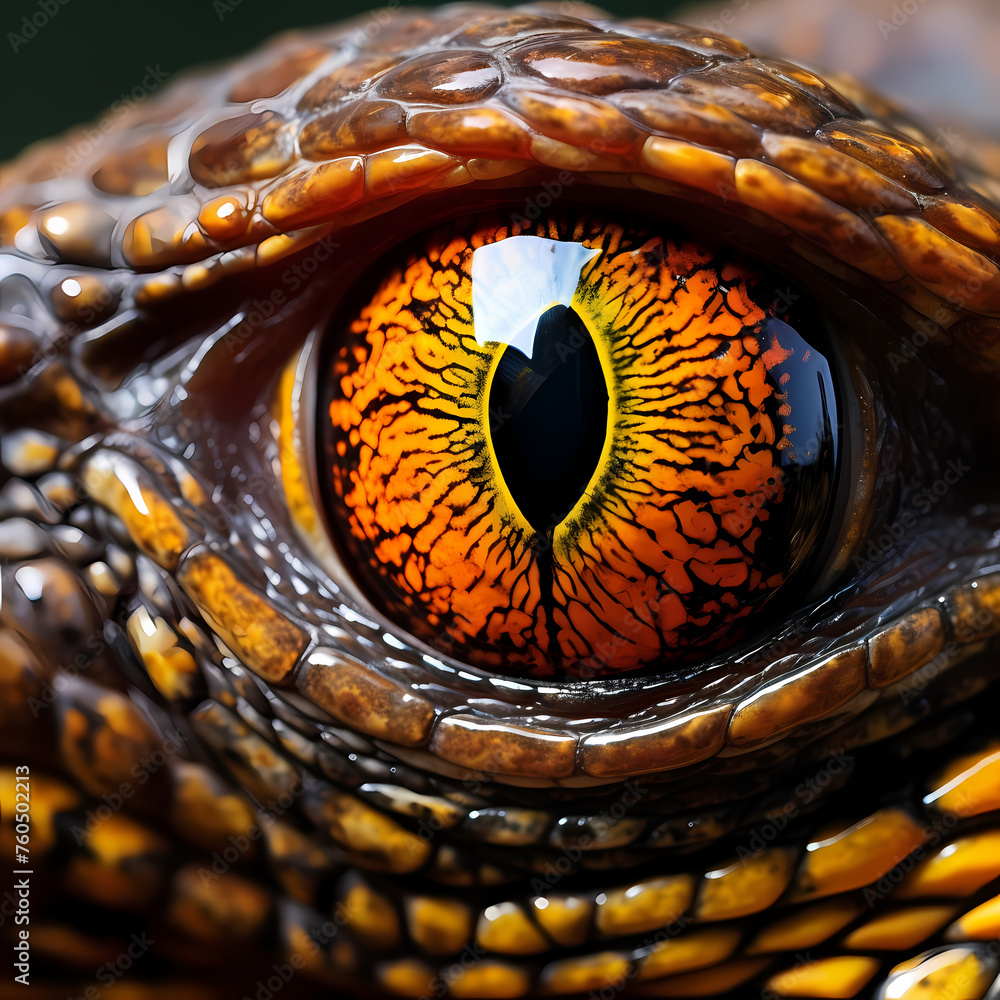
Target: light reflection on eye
x=517, y=280
x=638, y=453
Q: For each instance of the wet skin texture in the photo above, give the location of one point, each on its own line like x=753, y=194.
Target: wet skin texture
x=242, y=766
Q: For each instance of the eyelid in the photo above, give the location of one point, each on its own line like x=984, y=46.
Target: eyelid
x=294, y=430
x=600, y=701
x=931, y=227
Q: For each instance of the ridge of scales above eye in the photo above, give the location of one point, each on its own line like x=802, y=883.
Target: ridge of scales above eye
x=499, y=504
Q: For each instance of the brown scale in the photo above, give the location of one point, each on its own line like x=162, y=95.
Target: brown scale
x=874, y=885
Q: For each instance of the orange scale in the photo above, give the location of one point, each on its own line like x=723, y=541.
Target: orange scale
x=731, y=388
x=502, y=565
x=687, y=309
x=573, y=647
x=671, y=613
x=449, y=550
x=389, y=523
x=720, y=574
x=760, y=463
x=520, y=592
x=737, y=302
x=736, y=526
x=518, y=622
x=696, y=522
x=645, y=597
x=735, y=512
x=725, y=324
x=464, y=578
x=438, y=581
x=638, y=544
x=452, y=251
x=414, y=512
x=674, y=575
x=445, y=281
x=724, y=550
x=612, y=574
x=764, y=433
x=676, y=450
x=704, y=412
x=496, y=619
x=421, y=286
x=472, y=613
x=437, y=600
x=696, y=386
x=755, y=385
x=676, y=548
x=391, y=550
x=440, y=514
x=412, y=576
x=582, y=621
x=462, y=494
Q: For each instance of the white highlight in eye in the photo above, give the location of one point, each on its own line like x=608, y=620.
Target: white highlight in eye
x=517, y=280
x=71, y=287
x=57, y=225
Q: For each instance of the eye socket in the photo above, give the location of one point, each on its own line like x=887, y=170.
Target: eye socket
x=581, y=446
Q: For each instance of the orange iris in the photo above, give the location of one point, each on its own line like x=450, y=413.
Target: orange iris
x=683, y=526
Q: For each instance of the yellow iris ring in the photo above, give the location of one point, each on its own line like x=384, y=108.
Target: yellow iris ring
x=563, y=531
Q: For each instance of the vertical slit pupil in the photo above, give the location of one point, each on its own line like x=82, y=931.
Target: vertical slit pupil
x=548, y=418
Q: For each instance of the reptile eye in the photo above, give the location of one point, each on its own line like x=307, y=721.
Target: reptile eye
x=578, y=447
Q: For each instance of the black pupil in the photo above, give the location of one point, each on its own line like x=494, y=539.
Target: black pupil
x=548, y=418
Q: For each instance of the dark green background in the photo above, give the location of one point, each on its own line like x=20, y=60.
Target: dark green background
x=90, y=51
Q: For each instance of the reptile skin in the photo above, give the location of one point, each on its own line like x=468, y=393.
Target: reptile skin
x=244, y=782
